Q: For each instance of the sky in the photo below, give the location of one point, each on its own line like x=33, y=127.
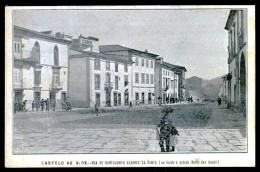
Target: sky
x=195, y=39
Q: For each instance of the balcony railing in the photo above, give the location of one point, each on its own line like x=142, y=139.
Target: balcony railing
x=56, y=85
x=108, y=86
x=19, y=84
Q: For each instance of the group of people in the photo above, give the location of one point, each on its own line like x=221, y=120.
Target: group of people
x=168, y=100
x=166, y=132
x=190, y=99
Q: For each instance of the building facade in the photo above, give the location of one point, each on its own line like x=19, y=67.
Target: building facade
x=167, y=82
x=142, y=72
x=40, y=67
x=237, y=58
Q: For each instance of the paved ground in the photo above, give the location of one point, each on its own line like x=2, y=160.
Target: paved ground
x=70, y=132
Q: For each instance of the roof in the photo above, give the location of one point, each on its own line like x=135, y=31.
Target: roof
x=110, y=57
x=230, y=19
x=116, y=48
x=23, y=32
x=174, y=66
x=89, y=37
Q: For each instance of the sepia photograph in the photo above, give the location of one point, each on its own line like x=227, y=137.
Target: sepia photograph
x=148, y=84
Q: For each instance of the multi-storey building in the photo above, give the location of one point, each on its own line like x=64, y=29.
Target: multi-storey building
x=142, y=71
x=166, y=81
x=40, y=66
x=97, y=78
x=237, y=58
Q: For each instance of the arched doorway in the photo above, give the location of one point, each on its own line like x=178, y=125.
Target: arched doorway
x=243, y=81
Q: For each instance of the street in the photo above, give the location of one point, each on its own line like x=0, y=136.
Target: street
x=202, y=128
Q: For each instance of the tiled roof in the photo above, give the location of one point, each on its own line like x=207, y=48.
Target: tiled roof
x=117, y=58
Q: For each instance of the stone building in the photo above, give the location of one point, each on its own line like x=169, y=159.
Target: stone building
x=166, y=82
x=40, y=68
x=142, y=71
x=98, y=78
x=236, y=26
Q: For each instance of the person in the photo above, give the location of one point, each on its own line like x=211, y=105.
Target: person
x=130, y=104
x=164, y=130
x=198, y=100
x=173, y=137
x=24, y=105
x=33, y=105
x=96, y=108
x=42, y=104
x=219, y=101
x=47, y=104
x=54, y=105
x=159, y=101
x=15, y=106
x=191, y=100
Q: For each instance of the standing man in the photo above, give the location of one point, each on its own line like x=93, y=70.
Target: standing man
x=96, y=109
x=47, y=103
x=130, y=104
x=219, y=101
x=42, y=104
x=33, y=105
x=24, y=105
x=54, y=104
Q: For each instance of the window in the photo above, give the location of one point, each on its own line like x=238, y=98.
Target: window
x=116, y=82
x=136, y=96
x=143, y=78
x=151, y=79
x=136, y=62
x=163, y=72
x=164, y=82
x=108, y=65
x=151, y=64
x=142, y=62
x=15, y=49
x=97, y=64
x=126, y=80
x=126, y=67
x=116, y=67
x=142, y=98
x=56, y=56
x=108, y=79
x=37, y=77
x=18, y=48
x=36, y=52
x=147, y=63
x=147, y=78
x=97, y=81
x=119, y=98
x=137, y=78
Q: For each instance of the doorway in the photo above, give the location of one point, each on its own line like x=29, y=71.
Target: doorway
x=37, y=99
x=243, y=81
x=98, y=99
x=126, y=98
x=53, y=98
x=115, y=99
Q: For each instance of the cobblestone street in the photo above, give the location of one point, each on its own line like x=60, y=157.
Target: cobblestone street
x=53, y=133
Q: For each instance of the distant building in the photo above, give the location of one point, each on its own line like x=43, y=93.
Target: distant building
x=166, y=82
x=97, y=78
x=40, y=66
x=180, y=71
x=141, y=71
x=237, y=58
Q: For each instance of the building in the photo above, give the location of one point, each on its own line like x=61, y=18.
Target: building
x=142, y=71
x=237, y=57
x=40, y=68
x=97, y=78
x=180, y=71
x=224, y=89
x=166, y=82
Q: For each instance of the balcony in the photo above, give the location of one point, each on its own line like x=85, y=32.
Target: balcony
x=19, y=84
x=108, y=86
x=56, y=86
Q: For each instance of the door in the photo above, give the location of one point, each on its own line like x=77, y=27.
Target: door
x=142, y=98
x=115, y=99
x=119, y=99
x=37, y=99
x=53, y=98
x=126, y=98
x=18, y=99
x=63, y=97
x=149, y=98
x=108, y=98
x=137, y=98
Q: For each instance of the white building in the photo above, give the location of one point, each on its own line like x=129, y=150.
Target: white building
x=99, y=78
x=237, y=47
x=142, y=71
x=40, y=66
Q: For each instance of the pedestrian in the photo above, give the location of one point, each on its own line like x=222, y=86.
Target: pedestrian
x=33, y=105
x=54, y=105
x=198, y=100
x=219, y=101
x=47, y=104
x=15, y=106
x=130, y=104
x=24, y=105
x=164, y=130
x=173, y=138
x=96, y=108
x=42, y=104
x=191, y=100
